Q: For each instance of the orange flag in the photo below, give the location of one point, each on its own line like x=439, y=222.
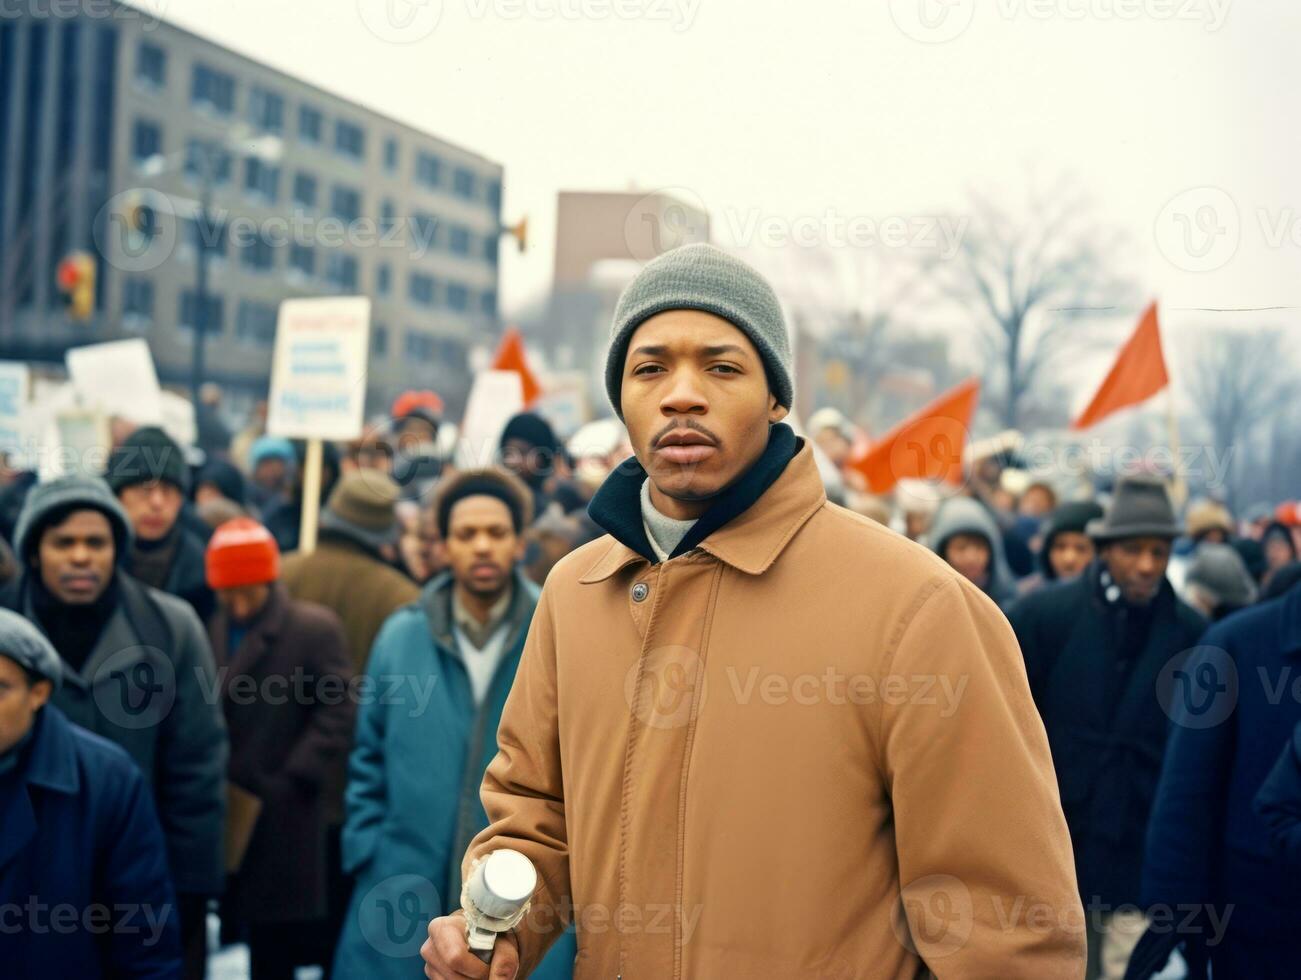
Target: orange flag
x=510, y=357
x=925, y=446
x=1138, y=374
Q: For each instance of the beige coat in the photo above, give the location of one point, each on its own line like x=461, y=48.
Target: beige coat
x=805, y=749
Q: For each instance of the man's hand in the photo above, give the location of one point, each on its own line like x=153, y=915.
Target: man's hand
x=448, y=957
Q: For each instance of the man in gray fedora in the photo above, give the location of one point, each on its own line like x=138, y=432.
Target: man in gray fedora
x=1099, y=650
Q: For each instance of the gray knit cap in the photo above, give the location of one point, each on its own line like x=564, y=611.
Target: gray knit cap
x=88, y=492
x=702, y=277
x=27, y=646
x=1220, y=570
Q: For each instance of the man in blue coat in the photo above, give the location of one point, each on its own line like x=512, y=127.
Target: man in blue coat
x=1236, y=706
x=437, y=678
x=84, y=886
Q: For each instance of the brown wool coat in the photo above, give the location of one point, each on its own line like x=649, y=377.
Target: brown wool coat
x=286, y=736
x=809, y=750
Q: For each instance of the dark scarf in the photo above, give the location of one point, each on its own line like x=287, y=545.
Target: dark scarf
x=617, y=504
x=151, y=561
x=73, y=629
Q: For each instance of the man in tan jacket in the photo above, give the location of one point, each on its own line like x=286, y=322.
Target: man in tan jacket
x=753, y=734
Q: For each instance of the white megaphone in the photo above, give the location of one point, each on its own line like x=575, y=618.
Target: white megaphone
x=496, y=898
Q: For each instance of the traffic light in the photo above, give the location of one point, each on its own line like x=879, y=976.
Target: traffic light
x=76, y=281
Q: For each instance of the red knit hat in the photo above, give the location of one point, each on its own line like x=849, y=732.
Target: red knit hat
x=242, y=552
x=421, y=404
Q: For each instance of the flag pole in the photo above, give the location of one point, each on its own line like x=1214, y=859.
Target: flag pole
x=1179, y=489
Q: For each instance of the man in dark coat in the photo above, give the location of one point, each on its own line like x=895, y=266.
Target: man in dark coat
x=137, y=670
x=1235, y=709
x=284, y=674
x=84, y=889
x=1095, y=649
x=149, y=476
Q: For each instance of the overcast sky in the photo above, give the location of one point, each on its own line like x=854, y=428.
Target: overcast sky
x=1178, y=116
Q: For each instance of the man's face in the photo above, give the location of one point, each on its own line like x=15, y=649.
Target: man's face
x=1036, y=502
x=242, y=603
x=969, y=554
x=1070, y=554
x=835, y=445
x=76, y=557
x=482, y=546
x=1137, y=566
x=1215, y=535
x=697, y=407
x=19, y=701
x=152, y=507
x=271, y=474
x=916, y=524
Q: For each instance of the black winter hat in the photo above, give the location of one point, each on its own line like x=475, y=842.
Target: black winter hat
x=147, y=455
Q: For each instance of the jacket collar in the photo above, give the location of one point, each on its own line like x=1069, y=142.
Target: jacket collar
x=749, y=537
x=52, y=762
x=436, y=603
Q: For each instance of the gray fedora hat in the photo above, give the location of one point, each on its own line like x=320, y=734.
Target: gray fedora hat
x=1140, y=508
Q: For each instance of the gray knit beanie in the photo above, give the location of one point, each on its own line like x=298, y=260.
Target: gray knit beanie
x=27, y=646
x=702, y=277
x=64, y=493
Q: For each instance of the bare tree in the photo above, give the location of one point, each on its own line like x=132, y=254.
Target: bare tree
x=1029, y=278
x=1237, y=380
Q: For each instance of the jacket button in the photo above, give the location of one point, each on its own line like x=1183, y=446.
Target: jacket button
x=640, y=591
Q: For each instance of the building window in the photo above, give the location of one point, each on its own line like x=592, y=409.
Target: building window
x=420, y=289
x=425, y=229
x=212, y=89
x=451, y=355
x=458, y=240
x=310, y=124
x=212, y=314
x=391, y=155
x=302, y=259
x=210, y=234
x=493, y=189
x=379, y=340
x=488, y=303
x=151, y=64
x=490, y=249
x=458, y=297
x=137, y=303
x=305, y=190
x=341, y=272
x=384, y=279
x=345, y=203
x=429, y=170
x=463, y=183
x=258, y=255
x=255, y=324
x=146, y=140
x=387, y=215
x=419, y=346
x=350, y=140
x=262, y=179
x=201, y=154
x=266, y=111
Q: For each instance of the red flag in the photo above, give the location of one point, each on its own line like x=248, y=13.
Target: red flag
x=510, y=357
x=925, y=446
x=1138, y=374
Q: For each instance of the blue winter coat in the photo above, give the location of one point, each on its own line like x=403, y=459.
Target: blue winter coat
x=84, y=887
x=420, y=751
x=1206, y=844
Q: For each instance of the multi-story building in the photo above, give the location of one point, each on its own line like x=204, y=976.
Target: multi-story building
x=115, y=126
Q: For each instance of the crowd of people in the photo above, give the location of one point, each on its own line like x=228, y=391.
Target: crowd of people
x=198, y=717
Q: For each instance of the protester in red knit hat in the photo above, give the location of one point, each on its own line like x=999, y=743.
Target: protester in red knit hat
x=283, y=678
